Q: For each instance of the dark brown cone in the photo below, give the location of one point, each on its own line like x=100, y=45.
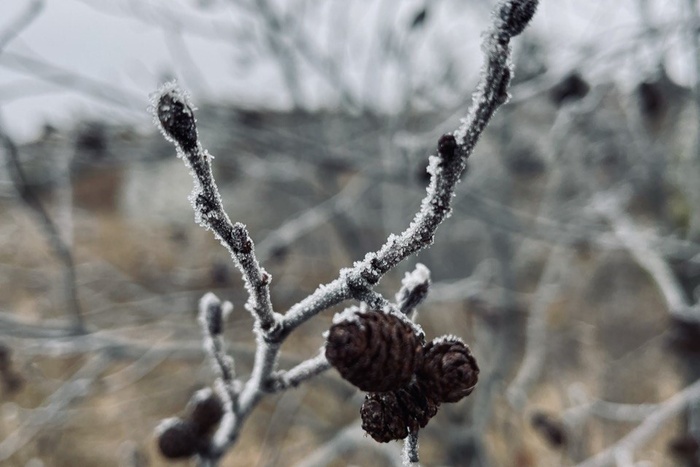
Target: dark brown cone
x=389, y=416
x=204, y=410
x=376, y=351
x=177, y=439
x=449, y=371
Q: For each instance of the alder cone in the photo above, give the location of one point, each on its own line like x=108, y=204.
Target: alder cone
x=177, y=439
x=375, y=351
x=449, y=371
x=388, y=416
x=205, y=410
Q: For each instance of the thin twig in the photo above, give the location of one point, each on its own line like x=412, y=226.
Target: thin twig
x=20, y=24
x=646, y=256
x=77, y=386
x=410, y=450
x=293, y=377
x=648, y=428
x=61, y=250
x=536, y=332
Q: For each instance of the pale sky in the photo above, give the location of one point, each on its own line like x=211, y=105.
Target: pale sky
x=101, y=40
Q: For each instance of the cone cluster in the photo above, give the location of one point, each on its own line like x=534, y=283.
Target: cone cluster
x=405, y=378
x=179, y=438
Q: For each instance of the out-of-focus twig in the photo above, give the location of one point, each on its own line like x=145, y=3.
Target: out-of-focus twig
x=310, y=219
x=20, y=24
x=647, y=429
x=345, y=440
x=640, y=249
x=536, y=331
x=77, y=386
x=62, y=251
x=45, y=71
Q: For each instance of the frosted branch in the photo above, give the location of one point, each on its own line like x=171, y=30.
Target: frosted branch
x=410, y=450
x=293, y=377
x=445, y=169
x=414, y=289
x=212, y=314
x=175, y=118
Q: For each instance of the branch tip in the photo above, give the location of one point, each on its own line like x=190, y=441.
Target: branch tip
x=515, y=15
x=174, y=115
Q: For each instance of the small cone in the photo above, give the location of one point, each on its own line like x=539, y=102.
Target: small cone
x=204, y=410
x=449, y=371
x=392, y=415
x=375, y=351
x=177, y=439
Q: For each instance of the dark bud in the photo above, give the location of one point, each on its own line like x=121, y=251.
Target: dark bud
x=449, y=371
x=220, y=274
x=5, y=357
x=549, y=428
x=177, y=118
x=652, y=102
x=419, y=19
x=214, y=318
x=446, y=146
x=92, y=139
x=375, y=351
x=389, y=416
x=571, y=88
x=12, y=382
x=516, y=15
x=279, y=253
x=684, y=335
x=684, y=446
x=177, y=439
x=501, y=93
x=409, y=299
x=204, y=410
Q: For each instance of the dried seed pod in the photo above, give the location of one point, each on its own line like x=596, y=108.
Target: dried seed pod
x=177, y=439
x=204, y=410
x=449, y=371
x=389, y=416
x=375, y=351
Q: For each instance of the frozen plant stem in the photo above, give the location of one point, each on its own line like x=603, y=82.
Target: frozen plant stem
x=410, y=449
x=175, y=117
